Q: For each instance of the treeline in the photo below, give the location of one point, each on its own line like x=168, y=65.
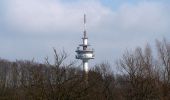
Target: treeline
x=142, y=74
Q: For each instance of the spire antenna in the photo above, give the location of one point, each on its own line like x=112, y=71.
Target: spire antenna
x=84, y=18
x=85, y=34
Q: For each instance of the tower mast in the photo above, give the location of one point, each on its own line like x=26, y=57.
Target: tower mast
x=85, y=34
x=85, y=54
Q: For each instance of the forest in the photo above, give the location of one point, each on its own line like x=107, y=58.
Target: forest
x=141, y=74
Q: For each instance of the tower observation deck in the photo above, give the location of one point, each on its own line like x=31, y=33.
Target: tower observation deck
x=83, y=52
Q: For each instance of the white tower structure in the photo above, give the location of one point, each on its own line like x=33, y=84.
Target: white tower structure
x=85, y=53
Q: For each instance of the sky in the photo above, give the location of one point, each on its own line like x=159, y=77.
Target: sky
x=32, y=28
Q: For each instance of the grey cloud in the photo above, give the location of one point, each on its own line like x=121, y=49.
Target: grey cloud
x=43, y=24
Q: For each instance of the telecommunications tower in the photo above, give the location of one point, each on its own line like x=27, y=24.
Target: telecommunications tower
x=83, y=52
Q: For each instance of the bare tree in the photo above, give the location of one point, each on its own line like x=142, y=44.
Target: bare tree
x=138, y=68
x=163, y=48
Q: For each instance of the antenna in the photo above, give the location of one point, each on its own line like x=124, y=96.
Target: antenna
x=85, y=34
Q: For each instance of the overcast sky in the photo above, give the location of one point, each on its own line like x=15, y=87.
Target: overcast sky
x=31, y=28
